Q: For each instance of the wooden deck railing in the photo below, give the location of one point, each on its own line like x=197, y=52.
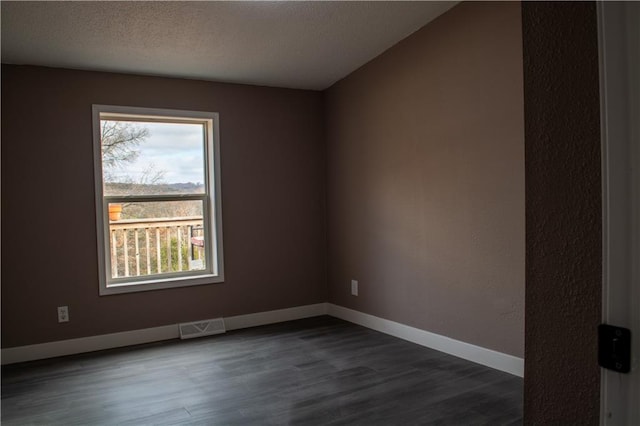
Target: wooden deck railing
x=156, y=246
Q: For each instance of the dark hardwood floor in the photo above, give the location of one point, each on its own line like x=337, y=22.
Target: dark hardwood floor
x=317, y=371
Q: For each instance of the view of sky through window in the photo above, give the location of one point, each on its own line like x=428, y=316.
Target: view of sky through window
x=170, y=153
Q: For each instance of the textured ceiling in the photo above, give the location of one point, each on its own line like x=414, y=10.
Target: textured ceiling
x=303, y=44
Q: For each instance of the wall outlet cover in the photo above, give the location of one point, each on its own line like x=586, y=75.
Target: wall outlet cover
x=63, y=314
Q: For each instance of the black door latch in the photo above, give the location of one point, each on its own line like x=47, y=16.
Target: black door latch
x=614, y=348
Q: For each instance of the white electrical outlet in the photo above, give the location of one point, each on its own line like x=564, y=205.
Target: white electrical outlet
x=63, y=314
x=354, y=287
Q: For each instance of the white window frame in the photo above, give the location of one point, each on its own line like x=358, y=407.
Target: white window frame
x=211, y=199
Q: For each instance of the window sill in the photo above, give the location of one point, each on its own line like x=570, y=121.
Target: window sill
x=161, y=284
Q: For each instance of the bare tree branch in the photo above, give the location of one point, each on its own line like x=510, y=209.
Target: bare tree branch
x=119, y=142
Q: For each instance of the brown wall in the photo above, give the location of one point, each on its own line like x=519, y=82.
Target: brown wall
x=273, y=186
x=563, y=213
x=426, y=180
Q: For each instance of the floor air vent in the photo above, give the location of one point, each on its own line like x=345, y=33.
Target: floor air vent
x=190, y=330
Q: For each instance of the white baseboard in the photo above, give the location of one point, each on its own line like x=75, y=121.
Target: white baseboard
x=88, y=344
x=272, y=317
x=490, y=358
x=147, y=335
x=477, y=354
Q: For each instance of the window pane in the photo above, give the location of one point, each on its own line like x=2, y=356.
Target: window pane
x=155, y=238
x=150, y=158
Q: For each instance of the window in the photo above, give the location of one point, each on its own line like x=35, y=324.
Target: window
x=158, y=207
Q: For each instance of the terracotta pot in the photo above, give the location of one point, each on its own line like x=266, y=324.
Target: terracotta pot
x=115, y=210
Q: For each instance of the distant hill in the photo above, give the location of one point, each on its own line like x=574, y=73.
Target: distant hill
x=119, y=188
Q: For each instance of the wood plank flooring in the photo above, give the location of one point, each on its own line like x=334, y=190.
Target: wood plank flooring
x=317, y=371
